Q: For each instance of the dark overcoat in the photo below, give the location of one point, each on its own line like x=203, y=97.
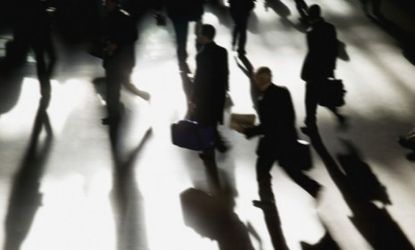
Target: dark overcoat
x=277, y=122
x=210, y=84
x=322, y=43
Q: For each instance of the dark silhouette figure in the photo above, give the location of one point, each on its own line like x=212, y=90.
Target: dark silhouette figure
x=240, y=11
x=26, y=198
x=181, y=12
x=360, y=189
x=120, y=34
x=125, y=196
x=32, y=30
x=210, y=85
x=279, y=137
x=319, y=64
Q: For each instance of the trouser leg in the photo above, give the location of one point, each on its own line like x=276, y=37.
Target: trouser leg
x=263, y=168
x=309, y=185
x=113, y=91
x=311, y=99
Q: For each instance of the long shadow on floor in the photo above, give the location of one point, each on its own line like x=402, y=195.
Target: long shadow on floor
x=247, y=68
x=360, y=189
x=374, y=11
x=211, y=213
x=221, y=12
x=26, y=198
x=127, y=201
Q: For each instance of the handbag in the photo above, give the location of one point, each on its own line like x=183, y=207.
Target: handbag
x=332, y=93
x=297, y=156
x=191, y=135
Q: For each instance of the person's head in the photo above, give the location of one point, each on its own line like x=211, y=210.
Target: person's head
x=263, y=78
x=207, y=34
x=110, y=5
x=314, y=12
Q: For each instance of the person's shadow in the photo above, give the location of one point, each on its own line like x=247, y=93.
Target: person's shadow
x=279, y=8
x=126, y=198
x=361, y=190
x=373, y=10
x=245, y=65
x=211, y=214
x=221, y=12
x=26, y=198
x=284, y=13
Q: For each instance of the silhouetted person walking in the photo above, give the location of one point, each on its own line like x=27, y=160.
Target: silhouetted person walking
x=278, y=138
x=240, y=11
x=32, y=30
x=120, y=34
x=181, y=12
x=319, y=64
x=210, y=84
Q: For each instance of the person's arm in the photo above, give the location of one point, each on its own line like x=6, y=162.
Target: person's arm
x=253, y=131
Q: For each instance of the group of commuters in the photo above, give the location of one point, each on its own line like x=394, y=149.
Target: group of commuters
x=210, y=82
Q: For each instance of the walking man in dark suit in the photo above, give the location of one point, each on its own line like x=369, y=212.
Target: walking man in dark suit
x=210, y=84
x=278, y=138
x=319, y=65
x=240, y=11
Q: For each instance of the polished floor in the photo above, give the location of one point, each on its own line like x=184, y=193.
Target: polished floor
x=66, y=185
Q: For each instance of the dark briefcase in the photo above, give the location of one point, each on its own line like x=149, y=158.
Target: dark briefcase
x=332, y=93
x=191, y=135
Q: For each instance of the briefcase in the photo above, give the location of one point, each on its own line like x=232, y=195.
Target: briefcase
x=191, y=135
x=332, y=93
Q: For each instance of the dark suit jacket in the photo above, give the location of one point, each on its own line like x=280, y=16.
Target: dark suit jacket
x=277, y=121
x=210, y=84
x=320, y=61
x=120, y=29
